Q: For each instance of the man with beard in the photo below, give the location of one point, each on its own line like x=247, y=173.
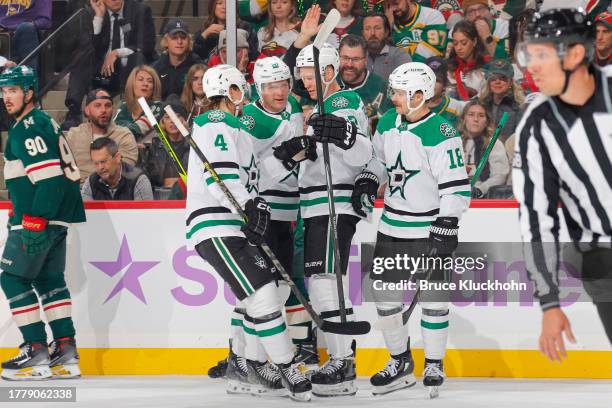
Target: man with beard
x=114, y=179
x=420, y=31
x=354, y=75
x=99, y=111
x=382, y=57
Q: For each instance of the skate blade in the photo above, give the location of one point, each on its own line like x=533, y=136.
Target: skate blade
x=238, y=388
x=405, y=382
x=432, y=392
x=34, y=373
x=65, y=371
x=301, y=397
x=267, y=392
x=346, y=388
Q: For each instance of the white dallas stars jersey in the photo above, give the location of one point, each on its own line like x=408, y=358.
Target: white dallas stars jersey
x=268, y=130
x=230, y=151
x=345, y=164
x=423, y=165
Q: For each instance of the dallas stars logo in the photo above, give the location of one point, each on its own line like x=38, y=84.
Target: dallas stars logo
x=340, y=102
x=399, y=175
x=252, y=175
x=260, y=262
x=216, y=116
x=248, y=122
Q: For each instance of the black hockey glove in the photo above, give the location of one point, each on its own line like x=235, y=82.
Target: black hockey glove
x=295, y=150
x=477, y=193
x=330, y=128
x=258, y=219
x=364, y=193
x=443, y=235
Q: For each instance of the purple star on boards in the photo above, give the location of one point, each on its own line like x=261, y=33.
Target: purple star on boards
x=129, y=280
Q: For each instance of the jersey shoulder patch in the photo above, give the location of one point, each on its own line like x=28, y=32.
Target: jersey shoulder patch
x=343, y=100
x=434, y=131
x=217, y=116
x=258, y=123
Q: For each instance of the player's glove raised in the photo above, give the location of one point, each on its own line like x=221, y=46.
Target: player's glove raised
x=295, y=150
x=330, y=128
x=364, y=193
x=34, y=234
x=258, y=218
x=443, y=235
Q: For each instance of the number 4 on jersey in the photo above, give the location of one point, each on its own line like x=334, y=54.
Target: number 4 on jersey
x=220, y=143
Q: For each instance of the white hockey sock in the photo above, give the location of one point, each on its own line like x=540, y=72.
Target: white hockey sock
x=237, y=331
x=268, y=324
x=434, y=327
x=254, y=350
x=396, y=339
x=324, y=297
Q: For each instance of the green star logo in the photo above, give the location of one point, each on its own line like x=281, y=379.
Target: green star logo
x=399, y=175
x=252, y=176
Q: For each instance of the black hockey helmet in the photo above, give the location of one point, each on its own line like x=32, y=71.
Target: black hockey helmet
x=567, y=25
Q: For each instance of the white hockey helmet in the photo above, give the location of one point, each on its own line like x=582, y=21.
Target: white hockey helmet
x=328, y=55
x=270, y=69
x=413, y=77
x=219, y=79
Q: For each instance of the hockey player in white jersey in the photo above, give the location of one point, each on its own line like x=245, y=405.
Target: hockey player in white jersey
x=228, y=243
x=345, y=128
x=419, y=154
x=274, y=118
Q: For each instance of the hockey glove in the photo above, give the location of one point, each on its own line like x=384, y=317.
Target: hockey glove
x=443, y=235
x=34, y=234
x=258, y=218
x=477, y=193
x=364, y=193
x=330, y=128
x=296, y=150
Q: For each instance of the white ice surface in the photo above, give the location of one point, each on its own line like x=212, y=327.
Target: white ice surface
x=201, y=391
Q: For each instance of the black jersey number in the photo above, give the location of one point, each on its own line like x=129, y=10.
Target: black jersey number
x=71, y=171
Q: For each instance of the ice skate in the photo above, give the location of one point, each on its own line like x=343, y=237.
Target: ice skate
x=237, y=375
x=64, y=358
x=335, y=378
x=298, y=386
x=265, y=379
x=32, y=363
x=433, y=377
x=397, y=375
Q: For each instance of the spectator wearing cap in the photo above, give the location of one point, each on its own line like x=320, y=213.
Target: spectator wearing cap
x=502, y=94
x=114, y=179
x=207, y=39
x=355, y=76
x=383, y=58
x=603, y=39
x=158, y=164
x=441, y=103
x=493, y=32
x=99, y=112
x=173, y=64
x=243, y=63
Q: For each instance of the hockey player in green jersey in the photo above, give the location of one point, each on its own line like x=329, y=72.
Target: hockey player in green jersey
x=274, y=118
x=419, y=154
x=43, y=183
x=344, y=126
x=420, y=31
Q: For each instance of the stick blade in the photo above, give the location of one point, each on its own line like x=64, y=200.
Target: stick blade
x=331, y=21
x=348, y=328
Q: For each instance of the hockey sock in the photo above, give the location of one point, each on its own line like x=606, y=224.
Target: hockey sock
x=237, y=331
x=56, y=304
x=434, y=328
x=254, y=349
x=24, y=307
x=268, y=323
x=324, y=295
x=396, y=339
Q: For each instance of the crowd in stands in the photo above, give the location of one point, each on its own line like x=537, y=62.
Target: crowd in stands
x=469, y=44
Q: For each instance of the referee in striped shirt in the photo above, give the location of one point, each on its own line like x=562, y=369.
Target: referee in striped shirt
x=563, y=154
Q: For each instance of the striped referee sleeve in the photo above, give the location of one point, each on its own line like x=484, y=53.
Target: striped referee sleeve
x=536, y=188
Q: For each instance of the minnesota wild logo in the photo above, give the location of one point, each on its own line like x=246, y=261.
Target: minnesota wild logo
x=340, y=102
x=216, y=116
x=248, y=122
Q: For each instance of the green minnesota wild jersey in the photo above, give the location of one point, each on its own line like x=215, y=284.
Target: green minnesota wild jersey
x=40, y=172
x=268, y=130
x=373, y=93
x=450, y=109
x=424, y=36
x=500, y=32
x=423, y=165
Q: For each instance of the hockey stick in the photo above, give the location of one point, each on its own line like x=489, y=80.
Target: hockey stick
x=166, y=143
x=400, y=319
x=350, y=328
x=332, y=19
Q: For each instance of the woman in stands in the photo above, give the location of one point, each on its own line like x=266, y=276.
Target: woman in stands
x=476, y=127
x=351, y=21
x=193, y=98
x=466, y=61
x=282, y=29
x=143, y=81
